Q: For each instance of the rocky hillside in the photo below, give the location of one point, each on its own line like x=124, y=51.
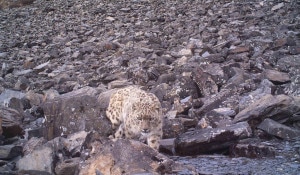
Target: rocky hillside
x=226, y=72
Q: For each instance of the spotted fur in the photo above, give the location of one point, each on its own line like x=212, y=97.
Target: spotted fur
x=136, y=114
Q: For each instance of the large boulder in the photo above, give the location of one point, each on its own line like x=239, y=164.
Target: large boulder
x=269, y=106
x=128, y=157
x=211, y=139
x=75, y=111
x=282, y=131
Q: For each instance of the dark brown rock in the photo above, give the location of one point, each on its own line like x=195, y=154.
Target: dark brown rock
x=209, y=140
x=14, y=4
x=274, y=128
x=214, y=58
x=75, y=111
x=277, y=77
x=277, y=107
x=214, y=102
x=215, y=120
x=167, y=146
x=239, y=49
x=172, y=127
x=11, y=122
x=68, y=167
x=252, y=148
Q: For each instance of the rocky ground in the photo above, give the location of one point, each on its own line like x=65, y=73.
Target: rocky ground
x=226, y=72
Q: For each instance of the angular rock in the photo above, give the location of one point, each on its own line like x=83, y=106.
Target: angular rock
x=73, y=142
x=277, y=77
x=10, y=151
x=274, y=128
x=214, y=58
x=172, y=127
x=104, y=98
x=240, y=49
x=287, y=62
x=252, y=148
x=33, y=172
x=14, y=4
x=294, y=50
x=185, y=52
x=265, y=87
x=32, y=144
x=127, y=157
x=204, y=82
x=34, y=98
x=215, y=120
x=11, y=122
x=118, y=84
x=214, y=102
x=277, y=6
x=211, y=139
x=74, y=111
x=289, y=41
x=40, y=159
x=277, y=107
x=183, y=87
x=8, y=94
x=167, y=146
x=1, y=130
x=68, y=167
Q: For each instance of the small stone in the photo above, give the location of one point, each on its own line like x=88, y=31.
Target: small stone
x=68, y=167
x=1, y=130
x=294, y=50
x=110, y=18
x=3, y=55
x=239, y=49
x=126, y=10
x=185, y=52
x=118, y=84
x=22, y=83
x=77, y=55
x=277, y=6
x=42, y=66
